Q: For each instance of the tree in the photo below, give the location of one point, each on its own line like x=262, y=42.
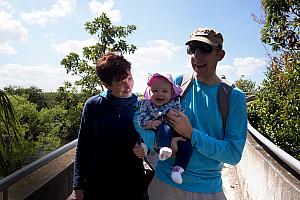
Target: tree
x=275, y=111
x=8, y=131
x=281, y=29
x=246, y=85
x=33, y=94
x=37, y=131
x=109, y=38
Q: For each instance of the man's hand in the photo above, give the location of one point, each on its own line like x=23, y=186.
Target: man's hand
x=180, y=123
x=76, y=195
x=153, y=124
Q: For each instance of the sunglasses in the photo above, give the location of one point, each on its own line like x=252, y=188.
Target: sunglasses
x=202, y=47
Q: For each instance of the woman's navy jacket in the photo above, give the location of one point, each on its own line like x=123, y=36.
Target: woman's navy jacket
x=105, y=163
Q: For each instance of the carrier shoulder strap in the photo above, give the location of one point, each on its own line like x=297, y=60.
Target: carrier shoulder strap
x=223, y=94
x=223, y=99
x=186, y=83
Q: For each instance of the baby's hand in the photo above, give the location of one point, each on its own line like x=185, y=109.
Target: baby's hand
x=153, y=124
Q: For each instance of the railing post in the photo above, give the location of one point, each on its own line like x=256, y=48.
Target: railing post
x=4, y=194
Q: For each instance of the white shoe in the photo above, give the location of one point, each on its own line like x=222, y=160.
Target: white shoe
x=176, y=174
x=165, y=153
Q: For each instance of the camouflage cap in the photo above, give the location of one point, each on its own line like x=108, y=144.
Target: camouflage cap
x=207, y=35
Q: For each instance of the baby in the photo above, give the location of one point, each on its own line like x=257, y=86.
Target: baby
x=160, y=96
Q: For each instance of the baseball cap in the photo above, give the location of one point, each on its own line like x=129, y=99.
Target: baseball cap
x=176, y=89
x=206, y=35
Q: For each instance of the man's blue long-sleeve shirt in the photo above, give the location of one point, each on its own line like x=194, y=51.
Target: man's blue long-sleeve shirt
x=212, y=146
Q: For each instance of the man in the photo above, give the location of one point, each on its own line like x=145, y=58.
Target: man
x=212, y=144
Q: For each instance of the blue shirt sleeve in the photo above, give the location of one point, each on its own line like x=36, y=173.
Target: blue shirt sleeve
x=229, y=149
x=147, y=135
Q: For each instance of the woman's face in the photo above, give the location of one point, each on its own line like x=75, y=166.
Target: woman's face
x=123, y=88
x=161, y=91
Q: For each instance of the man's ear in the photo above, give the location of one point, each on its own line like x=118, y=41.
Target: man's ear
x=221, y=55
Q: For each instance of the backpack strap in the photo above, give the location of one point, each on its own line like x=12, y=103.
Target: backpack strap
x=223, y=94
x=186, y=83
x=223, y=99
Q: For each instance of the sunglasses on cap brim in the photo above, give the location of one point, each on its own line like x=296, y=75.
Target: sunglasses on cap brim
x=202, y=47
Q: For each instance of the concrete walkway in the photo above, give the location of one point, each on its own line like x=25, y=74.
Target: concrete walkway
x=34, y=181
x=231, y=184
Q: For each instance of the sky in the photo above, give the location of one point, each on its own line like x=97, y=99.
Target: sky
x=36, y=35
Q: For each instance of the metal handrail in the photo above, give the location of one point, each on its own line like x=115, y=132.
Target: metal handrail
x=287, y=158
x=28, y=169
x=13, y=178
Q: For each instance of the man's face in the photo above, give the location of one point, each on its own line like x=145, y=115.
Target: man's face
x=204, y=58
x=123, y=88
x=161, y=90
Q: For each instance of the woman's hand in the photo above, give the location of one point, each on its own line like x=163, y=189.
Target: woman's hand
x=180, y=123
x=140, y=150
x=76, y=195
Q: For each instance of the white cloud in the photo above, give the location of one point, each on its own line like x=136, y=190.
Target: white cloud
x=148, y=58
x=225, y=70
x=72, y=46
x=249, y=66
x=156, y=52
x=43, y=16
x=45, y=77
x=50, y=37
x=5, y=5
x=6, y=48
x=97, y=8
x=11, y=30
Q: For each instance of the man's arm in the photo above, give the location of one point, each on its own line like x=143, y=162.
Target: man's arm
x=230, y=148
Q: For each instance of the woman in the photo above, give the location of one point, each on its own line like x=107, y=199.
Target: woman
x=109, y=155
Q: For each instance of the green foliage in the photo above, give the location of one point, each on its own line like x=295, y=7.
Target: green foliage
x=72, y=101
x=37, y=134
x=275, y=111
x=43, y=120
x=32, y=94
x=109, y=38
x=246, y=85
x=8, y=130
x=281, y=29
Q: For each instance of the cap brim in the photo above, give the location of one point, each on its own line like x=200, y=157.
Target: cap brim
x=202, y=39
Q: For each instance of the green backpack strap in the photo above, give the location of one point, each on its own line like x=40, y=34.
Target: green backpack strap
x=223, y=99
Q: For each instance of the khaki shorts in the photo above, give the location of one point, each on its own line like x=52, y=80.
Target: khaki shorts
x=159, y=190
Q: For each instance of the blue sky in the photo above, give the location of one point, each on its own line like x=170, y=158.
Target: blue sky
x=36, y=35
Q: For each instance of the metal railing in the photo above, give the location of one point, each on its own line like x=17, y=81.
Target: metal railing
x=6, y=182
x=285, y=157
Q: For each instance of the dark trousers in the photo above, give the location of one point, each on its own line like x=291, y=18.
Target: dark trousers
x=163, y=136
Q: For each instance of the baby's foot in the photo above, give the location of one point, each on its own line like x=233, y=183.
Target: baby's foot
x=165, y=153
x=176, y=174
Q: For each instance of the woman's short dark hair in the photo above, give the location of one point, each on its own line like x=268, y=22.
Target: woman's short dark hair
x=112, y=66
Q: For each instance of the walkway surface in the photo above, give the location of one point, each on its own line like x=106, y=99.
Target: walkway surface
x=231, y=184
x=24, y=187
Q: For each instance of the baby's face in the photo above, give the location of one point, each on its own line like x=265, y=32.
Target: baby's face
x=161, y=91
